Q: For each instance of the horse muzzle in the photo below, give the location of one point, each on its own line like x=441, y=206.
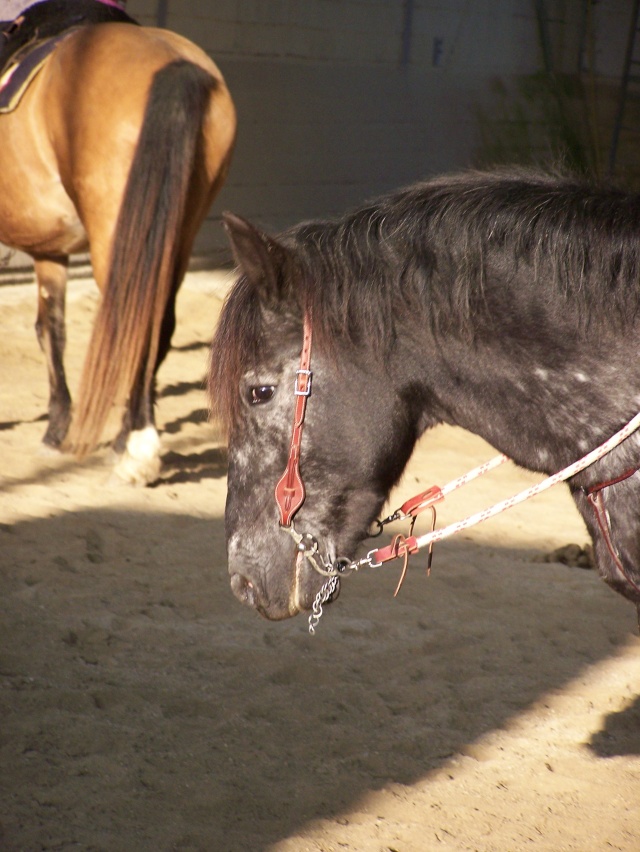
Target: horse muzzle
x=277, y=596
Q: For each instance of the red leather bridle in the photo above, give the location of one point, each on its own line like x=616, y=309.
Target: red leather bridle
x=290, y=491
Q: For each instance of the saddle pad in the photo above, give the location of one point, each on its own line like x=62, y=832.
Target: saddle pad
x=49, y=18
x=26, y=42
x=15, y=80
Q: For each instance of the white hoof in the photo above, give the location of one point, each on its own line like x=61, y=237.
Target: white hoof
x=140, y=462
x=46, y=451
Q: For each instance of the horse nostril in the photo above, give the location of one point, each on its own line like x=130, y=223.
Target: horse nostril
x=244, y=590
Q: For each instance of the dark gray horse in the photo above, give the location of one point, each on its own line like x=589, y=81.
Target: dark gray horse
x=506, y=303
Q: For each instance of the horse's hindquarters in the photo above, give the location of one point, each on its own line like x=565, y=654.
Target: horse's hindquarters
x=119, y=145
x=37, y=214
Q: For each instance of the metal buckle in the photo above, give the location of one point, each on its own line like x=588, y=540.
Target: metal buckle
x=306, y=388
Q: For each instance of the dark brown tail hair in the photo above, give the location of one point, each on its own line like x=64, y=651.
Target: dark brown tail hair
x=146, y=250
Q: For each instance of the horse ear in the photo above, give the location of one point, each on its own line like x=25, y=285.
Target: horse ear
x=260, y=258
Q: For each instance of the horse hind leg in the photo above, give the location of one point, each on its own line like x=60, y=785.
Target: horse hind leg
x=51, y=277
x=138, y=443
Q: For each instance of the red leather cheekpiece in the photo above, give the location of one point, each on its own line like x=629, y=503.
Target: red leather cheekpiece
x=289, y=491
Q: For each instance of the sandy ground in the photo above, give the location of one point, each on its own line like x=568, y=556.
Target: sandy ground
x=493, y=706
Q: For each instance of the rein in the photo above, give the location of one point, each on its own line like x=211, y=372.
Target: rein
x=290, y=495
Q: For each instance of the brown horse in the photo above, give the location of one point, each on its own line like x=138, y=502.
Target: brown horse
x=118, y=147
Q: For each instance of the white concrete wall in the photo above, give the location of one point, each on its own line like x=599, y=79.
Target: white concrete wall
x=339, y=100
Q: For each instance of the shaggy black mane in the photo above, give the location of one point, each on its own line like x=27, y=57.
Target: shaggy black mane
x=423, y=252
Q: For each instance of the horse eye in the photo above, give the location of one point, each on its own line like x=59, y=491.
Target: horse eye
x=261, y=394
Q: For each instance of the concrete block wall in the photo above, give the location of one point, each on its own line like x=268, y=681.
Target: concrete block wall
x=340, y=100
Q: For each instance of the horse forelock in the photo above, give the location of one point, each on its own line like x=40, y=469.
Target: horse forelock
x=236, y=343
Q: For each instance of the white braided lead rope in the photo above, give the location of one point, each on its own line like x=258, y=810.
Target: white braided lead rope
x=566, y=473
x=485, y=467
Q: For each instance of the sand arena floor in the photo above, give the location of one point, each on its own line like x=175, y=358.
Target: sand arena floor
x=495, y=706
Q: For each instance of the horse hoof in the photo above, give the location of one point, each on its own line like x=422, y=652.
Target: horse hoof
x=140, y=462
x=130, y=471
x=47, y=451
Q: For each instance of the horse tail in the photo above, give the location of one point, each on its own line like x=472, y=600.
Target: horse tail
x=146, y=254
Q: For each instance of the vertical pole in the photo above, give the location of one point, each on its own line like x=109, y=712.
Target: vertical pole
x=545, y=39
x=626, y=70
x=161, y=15
x=407, y=29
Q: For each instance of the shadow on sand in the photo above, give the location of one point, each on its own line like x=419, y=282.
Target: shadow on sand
x=143, y=707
